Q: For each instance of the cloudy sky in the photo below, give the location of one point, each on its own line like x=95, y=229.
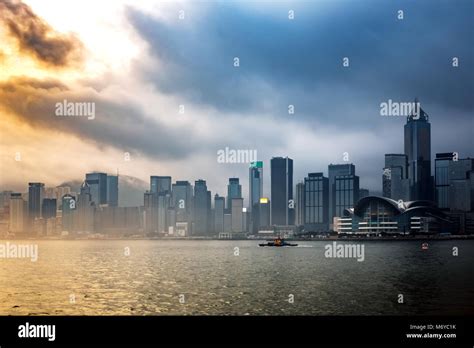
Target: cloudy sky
x=138, y=61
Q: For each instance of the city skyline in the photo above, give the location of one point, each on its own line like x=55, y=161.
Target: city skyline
x=149, y=106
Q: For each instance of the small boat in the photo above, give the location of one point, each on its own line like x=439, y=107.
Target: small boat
x=424, y=246
x=278, y=242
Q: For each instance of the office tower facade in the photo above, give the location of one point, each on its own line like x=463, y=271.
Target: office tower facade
x=18, y=213
x=150, y=211
x=234, y=190
x=182, y=197
x=237, y=205
x=84, y=215
x=395, y=182
x=299, y=204
x=112, y=190
x=97, y=183
x=316, y=202
x=201, y=208
x=219, y=207
x=163, y=203
x=160, y=184
x=346, y=189
x=333, y=171
x=442, y=182
x=255, y=193
x=35, y=198
x=68, y=207
x=255, y=183
x=264, y=212
x=48, y=208
x=418, y=152
x=281, y=173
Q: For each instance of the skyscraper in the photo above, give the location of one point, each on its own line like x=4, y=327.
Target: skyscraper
x=281, y=172
x=255, y=183
x=346, y=192
x=48, y=208
x=97, y=183
x=316, y=202
x=255, y=193
x=418, y=152
x=84, y=215
x=112, y=190
x=35, y=198
x=160, y=184
x=219, y=206
x=182, y=198
x=234, y=190
x=299, y=204
x=333, y=171
x=442, y=181
x=201, y=208
x=18, y=213
x=237, y=205
x=68, y=210
x=395, y=180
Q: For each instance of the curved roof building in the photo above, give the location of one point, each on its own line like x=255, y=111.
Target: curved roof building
x=381, y=215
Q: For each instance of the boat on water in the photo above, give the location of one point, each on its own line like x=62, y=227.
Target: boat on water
x=277, y=242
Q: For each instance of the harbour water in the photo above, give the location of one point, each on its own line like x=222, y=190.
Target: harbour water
x=173, y=277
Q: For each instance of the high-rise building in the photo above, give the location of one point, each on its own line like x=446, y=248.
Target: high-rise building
x=97, y=183
x=219, y=207
x=35, y=197
x=418, y=152
x=264, y=212
x=255, y=193
x=84, y=215
x=160, y=184
x=112, y=190
x=234, y=190
x=395, y=180
x=316, y=202
x=48, y=208
x=255, y=183
x=201, y=208
x=299, y=204
x=182, y=198
x=346, y=192
x=333, y=171
x=442, y=181
x=150, y=206
x=281, y=173
x=237, y=205
x=67, y=215
x=18, y=213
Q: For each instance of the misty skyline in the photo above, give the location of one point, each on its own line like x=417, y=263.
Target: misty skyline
x=140, y=62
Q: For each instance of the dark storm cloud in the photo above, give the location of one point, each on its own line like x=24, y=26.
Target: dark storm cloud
x=116, y=124
x=302, y=59
x=36, y=38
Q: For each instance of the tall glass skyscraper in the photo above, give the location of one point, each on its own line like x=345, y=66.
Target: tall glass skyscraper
x=35, y=198
x=346, y=189
x=333, y=171
x=255, y=183
x=316, y=202
x=281, y=172
x=97, y=183
x=395, y=181
x=201, y=208
x=219, y=205
x=159, y=184
x=418, y=152
x=182, y=201
x=234, y=190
